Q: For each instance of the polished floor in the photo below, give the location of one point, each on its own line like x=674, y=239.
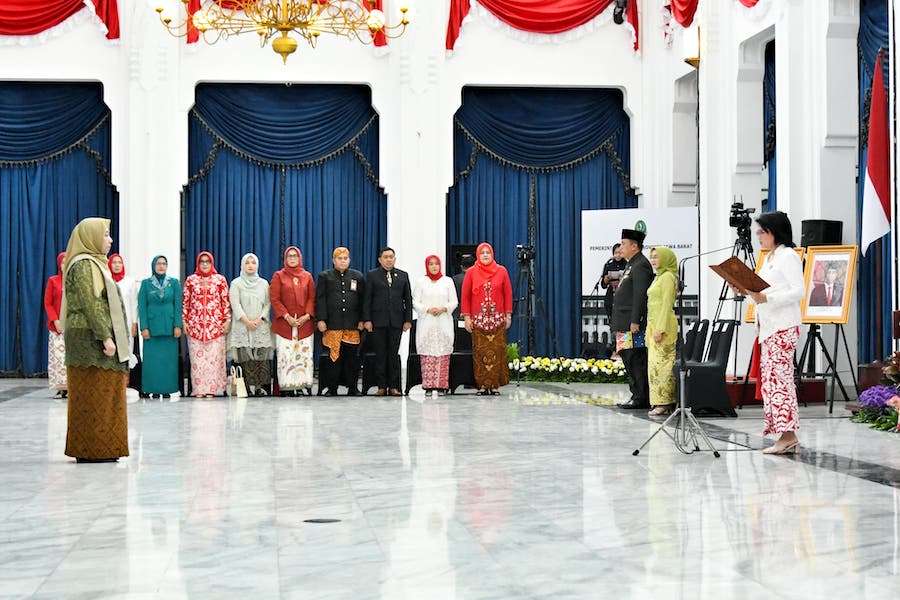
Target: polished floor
x=533, y=494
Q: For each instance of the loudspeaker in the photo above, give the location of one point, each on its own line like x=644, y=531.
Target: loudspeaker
x=457, y=253
x=819, y=232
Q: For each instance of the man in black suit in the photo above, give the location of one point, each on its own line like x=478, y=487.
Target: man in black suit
x=463, y=340
x=630, y=316
x=339, y=302
x=387, y=313
x=830, y=292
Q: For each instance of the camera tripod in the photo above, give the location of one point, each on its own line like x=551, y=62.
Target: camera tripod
x=525, y=305
x=742, y=250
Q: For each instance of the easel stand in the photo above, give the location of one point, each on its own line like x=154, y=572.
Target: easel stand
x=814, y=342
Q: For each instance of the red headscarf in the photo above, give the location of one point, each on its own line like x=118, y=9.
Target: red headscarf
x=116, y=276
x=212, y=265
x=292, y=271
x=438, y=275
x=59, y=262
x=487, y=270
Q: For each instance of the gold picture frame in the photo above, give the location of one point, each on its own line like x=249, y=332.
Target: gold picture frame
x=750, y=314
x=829, y=277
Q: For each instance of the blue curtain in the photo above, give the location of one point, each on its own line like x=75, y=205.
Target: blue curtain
x=54, y=171
x=274, y=166
x=874, y=283
x=548, y=153
x=769, y=149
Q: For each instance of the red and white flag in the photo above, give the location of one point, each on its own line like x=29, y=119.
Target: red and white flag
x=876, y=210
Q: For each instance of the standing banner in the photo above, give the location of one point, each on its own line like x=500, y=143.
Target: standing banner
x=676, y=228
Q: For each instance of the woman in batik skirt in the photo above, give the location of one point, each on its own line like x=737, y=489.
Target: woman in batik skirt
x=56, y=345
x=434, y=299
x=250, y=342
x=293, y=294
x=96, y=332
x=487, y=309
x=206, y=312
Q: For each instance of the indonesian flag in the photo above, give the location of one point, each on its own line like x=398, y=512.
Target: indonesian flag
x=876, y=210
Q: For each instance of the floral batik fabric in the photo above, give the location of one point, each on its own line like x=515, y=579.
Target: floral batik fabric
x=779, y=391
x=295, y=363
x=435, y=372
x=56, y=361
x=208, y=374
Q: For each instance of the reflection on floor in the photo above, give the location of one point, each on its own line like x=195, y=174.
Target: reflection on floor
x=533, y=494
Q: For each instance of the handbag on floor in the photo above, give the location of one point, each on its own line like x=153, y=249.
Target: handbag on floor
x=237, y=387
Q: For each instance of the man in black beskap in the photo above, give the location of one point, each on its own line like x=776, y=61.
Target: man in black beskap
x=339, y=300
x=387, y=313
x=630, y=317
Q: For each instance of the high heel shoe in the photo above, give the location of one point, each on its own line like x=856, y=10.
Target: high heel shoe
x=792, y=448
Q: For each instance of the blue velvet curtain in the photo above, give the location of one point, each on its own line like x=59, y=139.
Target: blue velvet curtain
x=273, y=166
x=769, y=139
x=548, y=153
x=54, y=171
x=874, y=284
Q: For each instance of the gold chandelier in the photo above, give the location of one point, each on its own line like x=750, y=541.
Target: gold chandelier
x=222, y=19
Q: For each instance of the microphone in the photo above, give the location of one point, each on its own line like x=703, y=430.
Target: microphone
x=708, y=252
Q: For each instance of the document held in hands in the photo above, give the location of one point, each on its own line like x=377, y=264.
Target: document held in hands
x=739, y=275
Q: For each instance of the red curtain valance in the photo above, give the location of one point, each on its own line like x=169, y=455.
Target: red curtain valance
x=538, y=16
x=749, y=3
x=28, y=17
x=683, y=11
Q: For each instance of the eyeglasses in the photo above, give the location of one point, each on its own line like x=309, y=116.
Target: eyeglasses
x=205, y=262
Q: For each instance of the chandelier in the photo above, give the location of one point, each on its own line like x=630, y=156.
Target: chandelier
x=221, y=19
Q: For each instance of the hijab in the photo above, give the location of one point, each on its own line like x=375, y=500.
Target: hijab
x=59, y=268
x=158, y=280
x=487, y=270
x=117, y=277
x=292, y=271
x=86, y=243
x=436, y=276
x=212, y=265
x=668, y=262
x=249, y=281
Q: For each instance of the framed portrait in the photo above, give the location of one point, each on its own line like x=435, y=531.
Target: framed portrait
x=828, y=283
x=750, y=314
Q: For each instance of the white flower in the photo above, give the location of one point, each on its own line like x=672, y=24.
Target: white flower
x=594, y=370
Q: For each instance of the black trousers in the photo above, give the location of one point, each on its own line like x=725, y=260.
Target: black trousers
x=386, y=346
x=343, y=372
x=636, y=368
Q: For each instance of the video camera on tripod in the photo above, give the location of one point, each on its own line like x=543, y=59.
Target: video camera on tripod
x=525, y=254
x=741, y=220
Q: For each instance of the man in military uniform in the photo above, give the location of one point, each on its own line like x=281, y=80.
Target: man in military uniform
x=630, y=317
x=339, y=302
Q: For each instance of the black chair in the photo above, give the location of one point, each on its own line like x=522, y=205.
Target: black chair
x=413, y=362
x=699, y=344
x=705, y=390
x=690, y=341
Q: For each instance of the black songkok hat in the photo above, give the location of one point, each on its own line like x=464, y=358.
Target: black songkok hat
x=632, y=234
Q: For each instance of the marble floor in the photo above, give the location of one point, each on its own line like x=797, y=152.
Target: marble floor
x=533, y=494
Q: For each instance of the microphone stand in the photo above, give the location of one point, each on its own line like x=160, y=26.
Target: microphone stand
x=595, y=294
x=685, y=424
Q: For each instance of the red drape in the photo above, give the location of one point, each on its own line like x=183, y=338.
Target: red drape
x=537, y=16
x=749, y=3
x=683, y=11
x=28, y=17
x=194, y=5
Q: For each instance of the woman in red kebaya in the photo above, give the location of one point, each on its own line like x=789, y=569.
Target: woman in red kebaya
x=206, y=312
x=293, y=296
x=56, y=347
x=487, y=308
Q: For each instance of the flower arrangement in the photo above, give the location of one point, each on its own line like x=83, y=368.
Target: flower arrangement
x=567, y=370
x=878, y=406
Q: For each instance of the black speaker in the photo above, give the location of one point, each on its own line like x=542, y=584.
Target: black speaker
x=457, y=253
x=819, y=232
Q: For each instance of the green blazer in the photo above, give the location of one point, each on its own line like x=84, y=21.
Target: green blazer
x=160, y=309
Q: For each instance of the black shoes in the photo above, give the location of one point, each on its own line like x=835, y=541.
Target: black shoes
x=634, y=405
